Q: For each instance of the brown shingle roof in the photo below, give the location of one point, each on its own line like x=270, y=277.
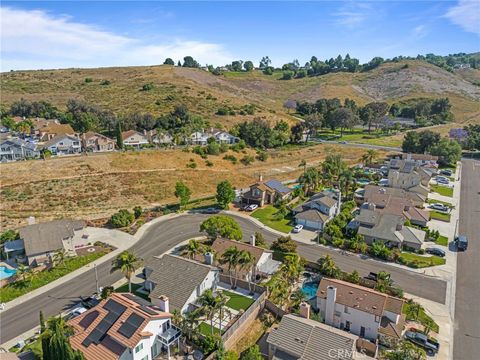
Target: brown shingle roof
x=389, y=328
x=221, y=245
x=114, y=342
x=360, y=297
x=371, y=190
x=312, y=215
x=57, y=129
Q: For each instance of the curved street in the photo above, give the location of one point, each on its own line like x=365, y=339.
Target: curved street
x=164, y=235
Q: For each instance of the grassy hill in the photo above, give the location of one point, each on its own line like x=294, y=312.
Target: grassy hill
x=203, y=93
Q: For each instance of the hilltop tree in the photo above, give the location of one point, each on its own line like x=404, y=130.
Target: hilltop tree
x=265, y=63
x=236, y=65
x=248, y=65
x=189, y=62
x=183, y=193
x=225, y=194
x=168, y=61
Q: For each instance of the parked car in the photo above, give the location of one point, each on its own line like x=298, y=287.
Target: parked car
x=430, y=345
x=446, y=172
x=343, y=142
x=374, y=277
x=297, y=228
x=461, y=242
x=76, y=311
x=439, y=207
x=210, y=210
x=435, y=251
x=89, y=302
x=442, y=180
x=251, y=207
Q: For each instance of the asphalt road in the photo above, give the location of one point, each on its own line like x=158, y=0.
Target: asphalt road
x=167, y=234
x=467, y=304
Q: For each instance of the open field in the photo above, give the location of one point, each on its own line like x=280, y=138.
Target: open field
x=96, y=186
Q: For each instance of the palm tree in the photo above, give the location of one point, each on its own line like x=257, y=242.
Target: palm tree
x=292, y=267
x=230, y=258
x=332, y=167
x=59, y=257
x=369, y=156
x=209, y=304
x=190, y=323
x=193, y=248
x=23, y=272
x=413, y=310
x=303, y=164
x=127, y=263
x=176, y=317
x=346, y=180
x=222, y=300
x=297, y=297
x=247, y=261
x=310, y=179
x=328, y=267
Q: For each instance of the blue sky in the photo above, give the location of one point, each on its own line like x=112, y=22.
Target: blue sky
x=89, y=34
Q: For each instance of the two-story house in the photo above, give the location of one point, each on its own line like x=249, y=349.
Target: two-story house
x=220, y=136
x=360, y=310
x=46, y=130
x=125, y=327
x=318, y=210
x=369, y=193
x=64, y=145
x=422, y=159
x=134, y=138
x=162, y=278
x=387, y=228
x=13, y=149
x=95, y=142
x=268, y=192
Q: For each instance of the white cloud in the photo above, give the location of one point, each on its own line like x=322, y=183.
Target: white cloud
x=353, y=14
x=419, y=31
x=35, y=39
x=466, y=14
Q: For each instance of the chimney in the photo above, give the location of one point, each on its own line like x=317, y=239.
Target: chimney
x=252, y=239
x=304, y=310
x=399, y=227
x=31, y=220
x=208, y=258
x=330, y=305
x=260, y=178
x=164, y=304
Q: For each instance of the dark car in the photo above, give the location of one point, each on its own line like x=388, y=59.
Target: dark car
x=89, y=302
x=461, y=242
x=372, y=276
x=435, y=251
x=430, y=345
x=210, y=210
x=446, y=172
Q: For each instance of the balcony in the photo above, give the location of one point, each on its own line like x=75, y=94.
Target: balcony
x=170, y=335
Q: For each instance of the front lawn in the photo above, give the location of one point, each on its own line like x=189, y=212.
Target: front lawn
x=135, y=287
x=267, y=215
x=442, y=240
x=437, y=215
x=417, y=261
x=20, y=287
x=442, y=190
x=206, y=329
x=237, y=301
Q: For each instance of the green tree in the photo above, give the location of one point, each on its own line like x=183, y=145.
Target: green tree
x=328, y=267
x=252, y=353
x=310, y=180
x=225, y=194
x=247, y=262
x=209, y=304
x=55, y=344
x=370, y=156
x=59, y=257
x=292, y=267
x=193, y=248
x=183, y=193
x=248, y=65
x=231, y=258
x=127, y=263
x=188, y=61
x=353, y=277
x=106, y=292
x=405, y=350
x=221, y=225
x=122, y=218
x=284, y=244
x=137, y=211
x=448, y=151
x=168, y=61
x=259, y=239
x=411, y=142
x=119, y=135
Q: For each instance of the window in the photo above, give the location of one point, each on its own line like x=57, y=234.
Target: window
x=346, y=310
x=145, y=357
x=362, y=331
x=377, y=318
x=138, y=348
x=60, y=143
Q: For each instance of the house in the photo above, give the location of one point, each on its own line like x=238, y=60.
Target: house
x=63, y=145
x=134, y=138
x=46, y=130
x=300, y=338
x=17, y=149
x=161, y=139
x=390, y=204
x=421, y=159
x=370, y=192
x=268, y=192
x=41, y=241
x=125, y=327
x=95, y=142
x=220, y=136
x=318, y=210
x=387, y=228
x=360, y=310
x=264, y=264
x=162, y=276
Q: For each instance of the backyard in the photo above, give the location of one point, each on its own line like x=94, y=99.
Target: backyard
x=237, y=301
x=39, y=279
x=442, y=190
x=268, y=216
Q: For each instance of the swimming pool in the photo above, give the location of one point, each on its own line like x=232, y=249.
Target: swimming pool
x=5, y=273
x=363, y=181
x=309, y=288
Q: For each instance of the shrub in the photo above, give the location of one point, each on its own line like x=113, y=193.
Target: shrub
x=137, y=211
x=247, y=160
x=122, y=218
x=262, y=156
x=147, y=87
x=213, y=148
x=224, y=147
x=338, y=242
x=199, y=150
x=421, y=251
x=230, y=158
x=208, y=163
x=105, y=82
x=88, y=80
x=192, y=165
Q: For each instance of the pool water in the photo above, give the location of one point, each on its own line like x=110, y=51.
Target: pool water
x=363, y=182
x=5, y=273
x=309, y=288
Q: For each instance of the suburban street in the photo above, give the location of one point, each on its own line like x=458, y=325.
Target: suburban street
x=467, y=306
x=161, y=237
